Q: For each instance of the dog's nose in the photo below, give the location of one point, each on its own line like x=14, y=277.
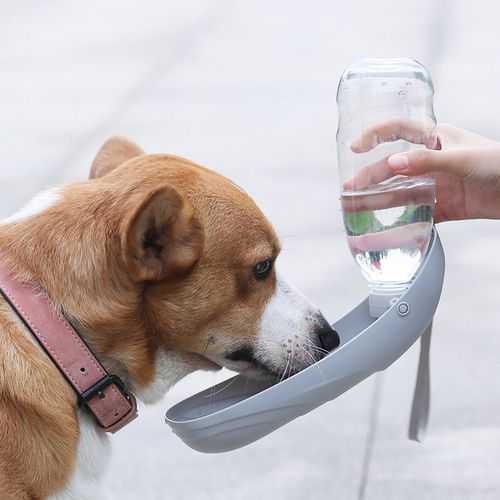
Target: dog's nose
x=328, y=337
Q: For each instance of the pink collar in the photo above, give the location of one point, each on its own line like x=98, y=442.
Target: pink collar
x=104, y=395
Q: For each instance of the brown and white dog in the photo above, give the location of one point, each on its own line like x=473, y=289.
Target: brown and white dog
x=164, y=267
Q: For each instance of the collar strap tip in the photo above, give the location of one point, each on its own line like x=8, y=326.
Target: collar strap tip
x=126, y=419
x=109, y=402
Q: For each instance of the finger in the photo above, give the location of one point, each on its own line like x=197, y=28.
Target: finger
x=369, y=175
x=459, y=162
x=393, y=130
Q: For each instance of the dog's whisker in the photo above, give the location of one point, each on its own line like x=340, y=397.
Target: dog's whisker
x=292, y=371
x=312, y=344
x=310, y=352
x=310, y=356
x=286, y=368
x=309, y=349
x=321, y=352
x=214, y=393
x=314, y=363
x=291, y=365
x=315, y=347
x=308, y=343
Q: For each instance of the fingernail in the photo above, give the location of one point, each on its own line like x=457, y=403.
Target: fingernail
x=398, y=162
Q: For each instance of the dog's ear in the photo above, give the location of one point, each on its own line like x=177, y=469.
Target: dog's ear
x=161, y=236
x=112, y=154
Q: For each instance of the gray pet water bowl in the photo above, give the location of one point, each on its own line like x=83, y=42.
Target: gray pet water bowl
x=240, y=411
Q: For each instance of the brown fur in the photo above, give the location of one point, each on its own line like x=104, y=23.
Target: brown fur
x=88, y=251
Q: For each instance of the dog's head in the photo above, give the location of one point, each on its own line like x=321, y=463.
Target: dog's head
x=168, y=256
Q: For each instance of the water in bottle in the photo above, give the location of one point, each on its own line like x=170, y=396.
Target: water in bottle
x=388, y=229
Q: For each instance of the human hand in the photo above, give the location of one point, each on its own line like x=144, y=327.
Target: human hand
x=465, y=166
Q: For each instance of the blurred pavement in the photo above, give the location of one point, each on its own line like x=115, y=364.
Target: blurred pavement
x=248, y=89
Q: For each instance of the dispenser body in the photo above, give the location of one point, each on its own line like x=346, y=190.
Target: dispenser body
x=385, y=107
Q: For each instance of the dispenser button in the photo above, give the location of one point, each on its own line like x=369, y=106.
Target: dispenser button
x=403, y=308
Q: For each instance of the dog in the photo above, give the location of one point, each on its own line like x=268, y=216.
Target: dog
x=163, y=267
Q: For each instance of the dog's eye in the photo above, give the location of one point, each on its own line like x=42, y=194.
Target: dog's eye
x=263, y=269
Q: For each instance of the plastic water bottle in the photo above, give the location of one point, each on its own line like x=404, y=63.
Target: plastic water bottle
x=388, y=219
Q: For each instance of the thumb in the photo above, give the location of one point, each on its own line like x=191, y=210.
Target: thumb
x=457, y=162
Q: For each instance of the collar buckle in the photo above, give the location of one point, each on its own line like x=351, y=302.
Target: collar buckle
x=98, y=389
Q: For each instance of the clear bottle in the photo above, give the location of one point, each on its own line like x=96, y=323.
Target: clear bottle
x=385, y=107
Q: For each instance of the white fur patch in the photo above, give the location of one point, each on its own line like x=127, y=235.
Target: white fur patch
x=94, y=448
x=93, y=456
x=286, y=330
x=36, y=205
x=170, y=367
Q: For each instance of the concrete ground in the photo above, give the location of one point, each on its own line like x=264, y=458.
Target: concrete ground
x=248, y=88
